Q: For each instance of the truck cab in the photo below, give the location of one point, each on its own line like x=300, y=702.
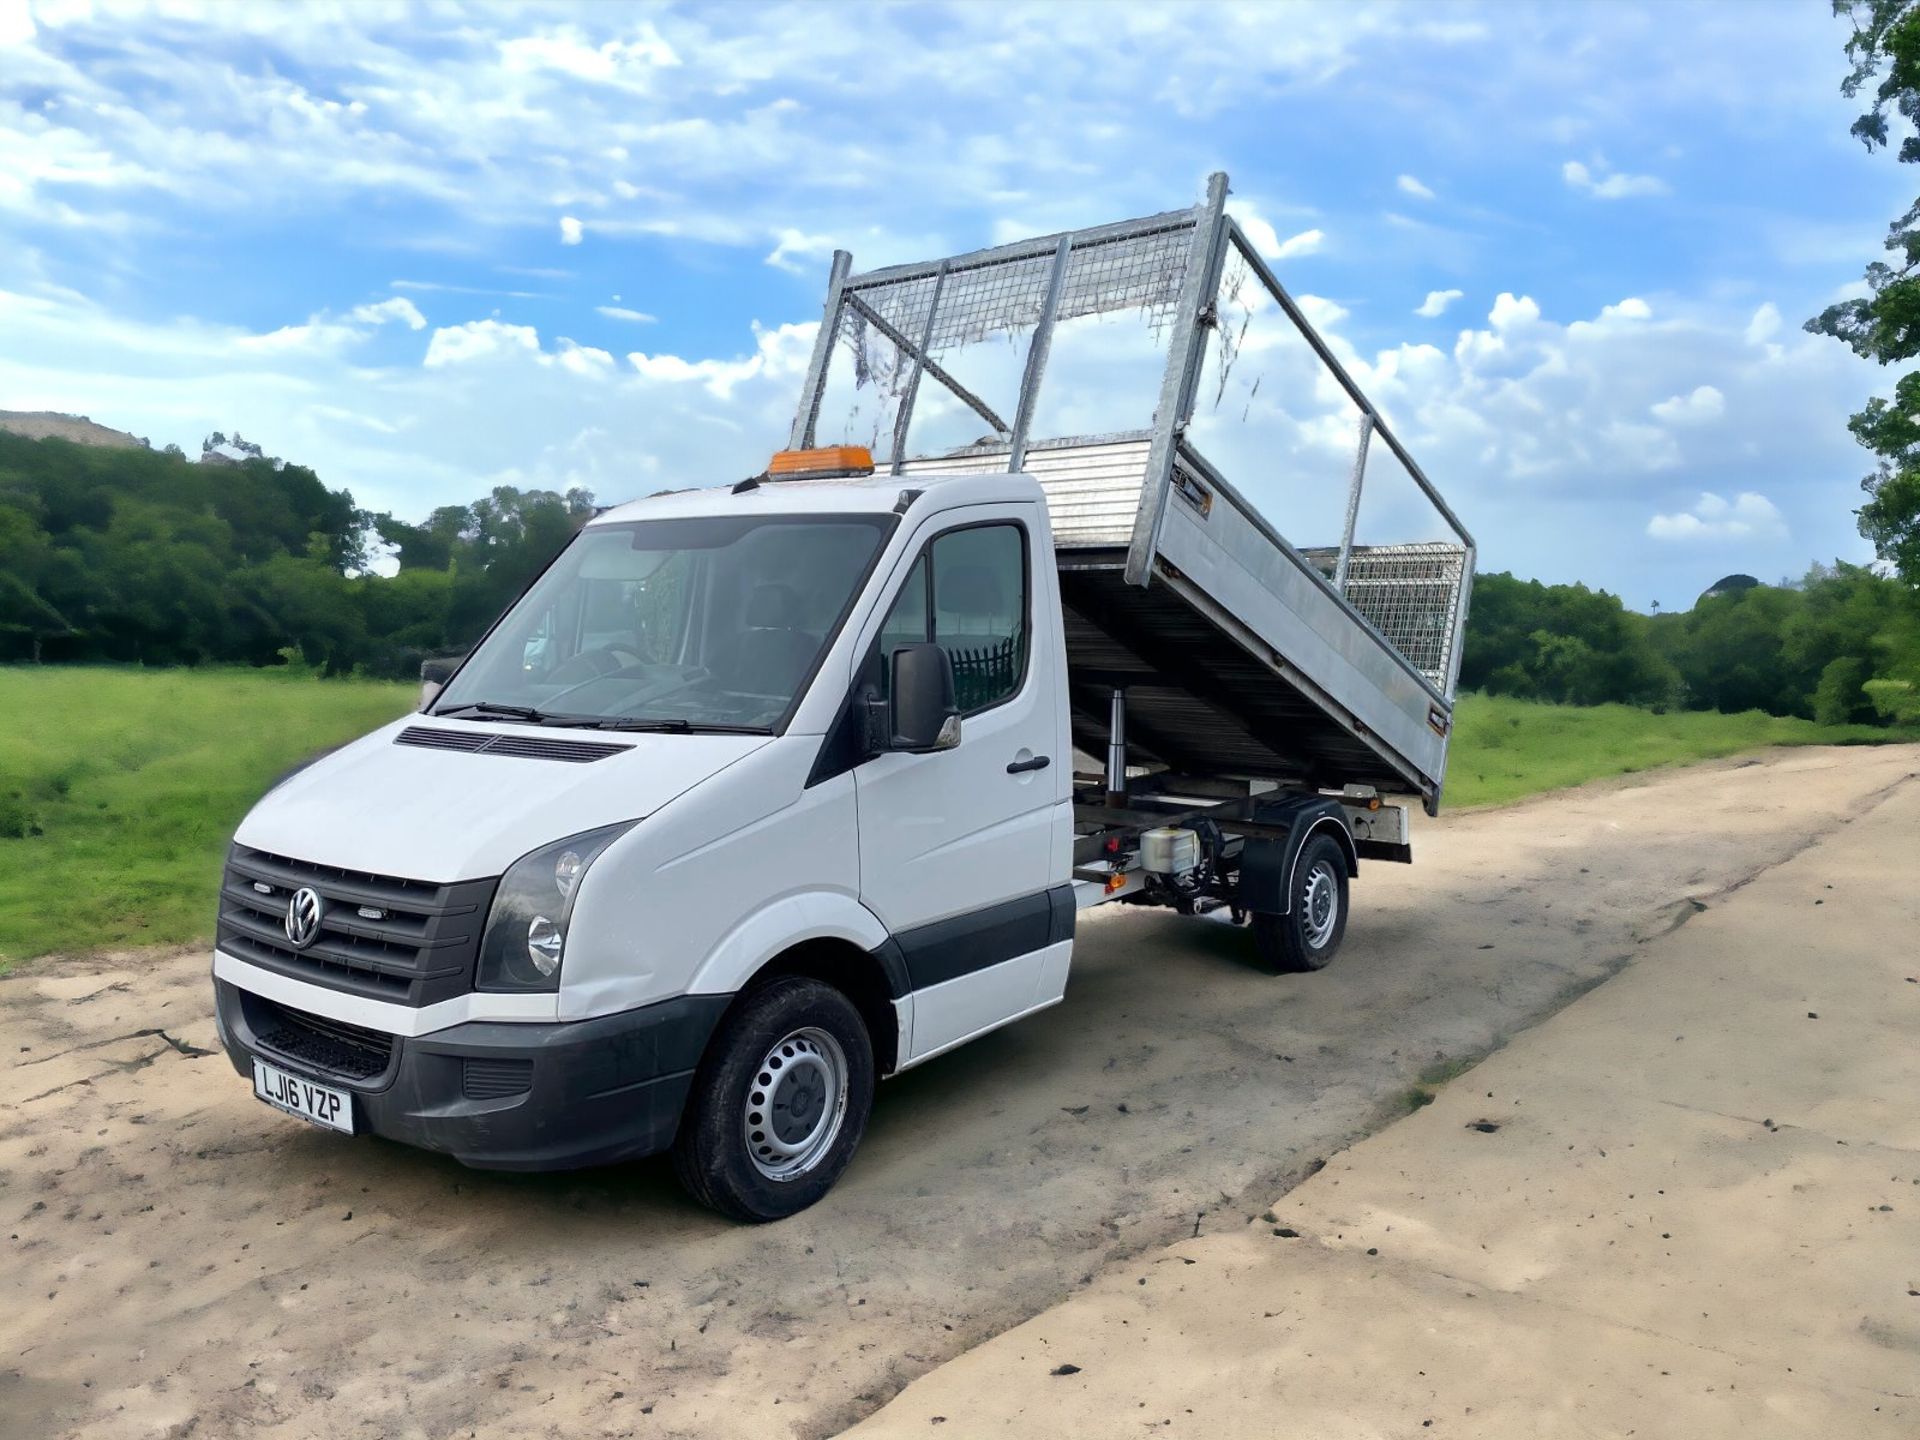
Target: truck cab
x=806, y=741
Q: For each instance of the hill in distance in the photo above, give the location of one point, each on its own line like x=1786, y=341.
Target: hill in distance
x=51, y=425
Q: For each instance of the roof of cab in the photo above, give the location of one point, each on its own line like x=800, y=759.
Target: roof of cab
x=855, y=495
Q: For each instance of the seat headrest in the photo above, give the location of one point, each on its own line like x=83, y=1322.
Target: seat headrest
x=773, y=607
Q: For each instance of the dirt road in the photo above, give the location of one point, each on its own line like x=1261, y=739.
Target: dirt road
x=182, y=1260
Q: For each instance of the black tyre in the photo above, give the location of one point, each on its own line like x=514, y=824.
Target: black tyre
x=779, y=1103
x=1308, y=936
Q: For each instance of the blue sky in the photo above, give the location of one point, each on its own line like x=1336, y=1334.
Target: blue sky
x=430, y=249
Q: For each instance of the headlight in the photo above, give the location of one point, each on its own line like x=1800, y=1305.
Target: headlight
x=526, y=934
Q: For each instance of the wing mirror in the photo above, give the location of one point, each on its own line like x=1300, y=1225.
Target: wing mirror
x=921, y=713
x=435, y=671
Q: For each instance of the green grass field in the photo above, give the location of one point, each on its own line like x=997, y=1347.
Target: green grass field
x=120, y=788
x=1505, y=749
x=135, y=780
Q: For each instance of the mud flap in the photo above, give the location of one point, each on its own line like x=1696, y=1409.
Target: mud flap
x=1265, y=884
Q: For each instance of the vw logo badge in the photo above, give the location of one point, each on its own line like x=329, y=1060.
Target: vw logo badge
x=303, y=918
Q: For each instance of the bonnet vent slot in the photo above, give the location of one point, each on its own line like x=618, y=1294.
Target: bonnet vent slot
x=523, y=747
x=543, y=747
x=431, y=739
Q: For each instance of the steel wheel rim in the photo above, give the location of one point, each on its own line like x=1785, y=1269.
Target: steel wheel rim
x=796, y=1104
x=1320, y=904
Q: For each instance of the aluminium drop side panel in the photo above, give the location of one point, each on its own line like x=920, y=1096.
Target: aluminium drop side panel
x=1368, y=691
x=1342, y=703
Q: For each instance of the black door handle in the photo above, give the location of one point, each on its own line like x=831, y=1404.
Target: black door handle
x=1019, y=767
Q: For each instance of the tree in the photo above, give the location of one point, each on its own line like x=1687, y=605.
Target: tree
x=492, y=548
x=1730, y=653
x=1561, y=642
x=1884, y=325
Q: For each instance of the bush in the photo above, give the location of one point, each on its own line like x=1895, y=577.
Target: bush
x=17, y=820
x=1894, y=701
x=1841, y=698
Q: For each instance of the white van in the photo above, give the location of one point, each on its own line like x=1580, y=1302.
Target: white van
x=762, y=793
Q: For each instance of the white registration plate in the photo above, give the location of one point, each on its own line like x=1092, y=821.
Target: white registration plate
x=321, y=1104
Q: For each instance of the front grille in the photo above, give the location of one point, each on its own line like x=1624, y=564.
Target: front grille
x=349, y=1051
x=383, y=938
x=494, y=1079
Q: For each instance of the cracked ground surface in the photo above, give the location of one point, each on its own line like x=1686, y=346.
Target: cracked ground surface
x=182, y=1260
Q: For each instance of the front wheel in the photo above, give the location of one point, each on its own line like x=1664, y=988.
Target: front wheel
x=1308, y=936
x=779, y=1104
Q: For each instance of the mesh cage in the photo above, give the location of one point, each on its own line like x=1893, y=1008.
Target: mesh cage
x=1409, y=593
x=1003, y=292
x=922, y=362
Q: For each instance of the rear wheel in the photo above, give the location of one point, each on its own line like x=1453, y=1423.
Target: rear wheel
x=779, y=1104
x=1308, y=936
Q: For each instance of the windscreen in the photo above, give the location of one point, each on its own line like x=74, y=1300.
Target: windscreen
x=710, y=623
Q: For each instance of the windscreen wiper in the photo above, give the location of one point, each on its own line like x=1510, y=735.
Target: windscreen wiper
x=662, y=726
x=490, y=707
x=673, y=727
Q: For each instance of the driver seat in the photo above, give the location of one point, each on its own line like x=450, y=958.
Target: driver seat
x=769, y=656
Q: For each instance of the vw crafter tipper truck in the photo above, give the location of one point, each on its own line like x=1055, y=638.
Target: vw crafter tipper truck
x=765, y=791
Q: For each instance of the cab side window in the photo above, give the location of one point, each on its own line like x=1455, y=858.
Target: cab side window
x=968, y=594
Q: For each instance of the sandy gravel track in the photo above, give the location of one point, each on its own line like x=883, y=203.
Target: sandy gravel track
x=1688, y=1205
x=182, y=1260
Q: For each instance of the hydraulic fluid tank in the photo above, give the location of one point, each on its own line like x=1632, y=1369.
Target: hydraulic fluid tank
x=1169, y=851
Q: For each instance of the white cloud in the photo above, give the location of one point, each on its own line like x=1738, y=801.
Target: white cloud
x=727, y=123
x=491, y=342
x=325, y=333
x=1509, y=313
x=1534, y=408
x=1701, y=404
x=479, y=340
x=1748, y=516
x=1610, y=185
x=315, y=335
x=794, y=247
x=1764, y=325
x=621, y=312
x=782, y=351
x=571, y=230
x=616, y=62
x=1307, y=242
x=1437, y=302
x=583, y=360
x=1631, y=308
x=1410, y=186
x=397, y=308
x=1260, y=234
x=16, y=22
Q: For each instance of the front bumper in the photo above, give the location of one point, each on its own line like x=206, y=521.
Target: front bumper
x=496, y=1095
